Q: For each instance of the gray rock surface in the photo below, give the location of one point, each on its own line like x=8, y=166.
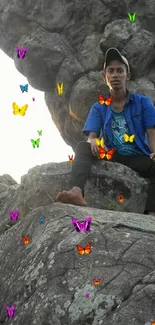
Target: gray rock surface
x=66, y=43
x=47, y=280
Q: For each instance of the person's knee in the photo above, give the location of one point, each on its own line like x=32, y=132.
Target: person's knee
x=83, y=144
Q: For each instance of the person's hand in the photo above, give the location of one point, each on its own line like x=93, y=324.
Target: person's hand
x=152, y=156
x=94, y=148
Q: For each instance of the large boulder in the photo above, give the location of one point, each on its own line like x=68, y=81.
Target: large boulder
x=47, y=280
x=40, y=186
x=67, y=42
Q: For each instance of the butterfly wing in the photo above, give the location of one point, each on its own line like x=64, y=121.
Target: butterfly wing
x=101, y=99
x=76, y=225
x=134, y=16
x=26, y=87
x=108, y=101
x=102, y=153
x=33, y=142
x=22, y=88
x=23, y=109
x=109, y=154
x=126, y=137
x=37, y=142
x=80, y=249
x=87, y=249
x=131, y=138
x=15, y=109
x=87, y=223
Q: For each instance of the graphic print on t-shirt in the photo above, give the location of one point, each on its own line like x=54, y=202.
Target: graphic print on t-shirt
x=119, y=127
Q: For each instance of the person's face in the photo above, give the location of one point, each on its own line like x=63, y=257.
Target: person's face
x=116, y=75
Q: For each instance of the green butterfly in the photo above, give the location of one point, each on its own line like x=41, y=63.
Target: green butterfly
x=132, y=17
x=35, y=143
x=40, y=132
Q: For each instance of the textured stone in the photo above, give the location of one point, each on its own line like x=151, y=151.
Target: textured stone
x=67, y=42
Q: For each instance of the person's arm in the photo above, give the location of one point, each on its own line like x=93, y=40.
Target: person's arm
x=151, y=138
x=93, y=123
x=149, y=121
x=92, y=135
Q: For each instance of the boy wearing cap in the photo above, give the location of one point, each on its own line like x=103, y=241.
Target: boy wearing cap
x=130, y=114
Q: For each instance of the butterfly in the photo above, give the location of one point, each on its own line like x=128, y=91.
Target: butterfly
x=35, y=143
x=60, y=88
x=85, y=225
x=153, y=323
x=41, y=219
x=108, y=154
x=103, y=100
x=100, y=142
x=24, y=88
x=21, y=53
x=120, y=198
x=132, y=17
x=14, y=215
x=129, y=138
x=19, y=110
x=33, y=99
x=26, y=240
x=97, y=282
x=70, y=159
x=40, y=132
x=82, y=250
x=10, y=311
x=87, y=294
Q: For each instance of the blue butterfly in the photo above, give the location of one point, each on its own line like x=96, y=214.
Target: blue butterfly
x=24, y=88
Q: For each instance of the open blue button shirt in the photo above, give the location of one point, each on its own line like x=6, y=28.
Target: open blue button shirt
x=139, y=113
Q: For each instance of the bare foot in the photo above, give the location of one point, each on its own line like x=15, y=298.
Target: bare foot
x=74, y=196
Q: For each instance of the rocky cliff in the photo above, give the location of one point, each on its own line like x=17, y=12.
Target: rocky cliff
x=45, y=278
x=66, y=42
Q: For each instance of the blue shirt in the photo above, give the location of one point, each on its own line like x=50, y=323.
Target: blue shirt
x=139, y=113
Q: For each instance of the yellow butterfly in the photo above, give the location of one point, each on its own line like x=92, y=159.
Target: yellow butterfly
x=60, y=88
x=100, y=143
x=129, y=139
x=19, y=110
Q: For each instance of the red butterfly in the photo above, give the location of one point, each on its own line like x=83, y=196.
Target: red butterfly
x=82, y=250
x=97, y=282
x=26, y=240
x=103, y=100
x=71, y=159
x=108, y=154
x=120, y=198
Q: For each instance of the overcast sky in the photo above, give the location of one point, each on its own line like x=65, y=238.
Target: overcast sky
x=17, y=152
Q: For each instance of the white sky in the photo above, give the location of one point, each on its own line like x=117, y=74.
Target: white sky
x=16, y=151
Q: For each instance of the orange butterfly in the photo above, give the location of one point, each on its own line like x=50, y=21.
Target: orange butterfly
x=103, y=100
x=153, y=323
x=97, y=282
x=70, y=159
x=26, y=240
x=82, y=250
x=120, y=198
x=108, y=154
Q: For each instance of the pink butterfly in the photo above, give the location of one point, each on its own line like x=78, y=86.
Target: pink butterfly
x=85, y=225
x=21, y=53
x=14, y=215
x=10, y=311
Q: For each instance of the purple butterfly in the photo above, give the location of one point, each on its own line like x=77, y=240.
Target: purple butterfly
x=21, y=53
x=85, y=225
x=14, y=215
x=10, y=311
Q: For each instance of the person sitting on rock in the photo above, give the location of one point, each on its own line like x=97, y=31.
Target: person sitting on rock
x=127, y=113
